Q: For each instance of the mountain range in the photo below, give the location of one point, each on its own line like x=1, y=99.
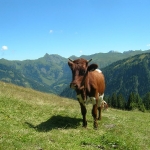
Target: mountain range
x=123, y=72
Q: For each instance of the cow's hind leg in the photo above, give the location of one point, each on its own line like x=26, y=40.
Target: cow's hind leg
x=94, y=114
x=99, y=113
x=83, y=111
x=100, y=106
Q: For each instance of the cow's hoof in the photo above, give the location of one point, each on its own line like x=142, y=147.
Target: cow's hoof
x=84, y=127
x=95, y=125
x=84, y=124
x=98, y=118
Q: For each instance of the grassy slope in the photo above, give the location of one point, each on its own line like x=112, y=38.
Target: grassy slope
x=31, y=120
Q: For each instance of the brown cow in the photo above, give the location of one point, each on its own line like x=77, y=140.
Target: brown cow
x=87, y=82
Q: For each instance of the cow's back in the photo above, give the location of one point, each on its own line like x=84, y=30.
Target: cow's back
x=96, y=81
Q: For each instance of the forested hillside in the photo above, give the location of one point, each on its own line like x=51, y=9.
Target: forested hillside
x=12, y=75
x=128, y=83
x=40, y=74
x=128, y=75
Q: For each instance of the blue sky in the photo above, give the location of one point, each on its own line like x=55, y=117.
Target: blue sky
x=31, y=28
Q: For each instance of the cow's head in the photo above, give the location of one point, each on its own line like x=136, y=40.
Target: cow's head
x=80, y=69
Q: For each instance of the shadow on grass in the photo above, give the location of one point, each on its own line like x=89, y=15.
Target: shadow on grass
x=56, y=122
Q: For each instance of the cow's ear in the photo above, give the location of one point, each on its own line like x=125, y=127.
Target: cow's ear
x=92, y=67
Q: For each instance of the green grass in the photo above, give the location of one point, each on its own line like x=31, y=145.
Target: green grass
x=31, y=120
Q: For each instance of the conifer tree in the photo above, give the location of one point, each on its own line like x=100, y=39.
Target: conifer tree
x=114, y=100
x=109, y=101
x=121, y=101
x=139, y=103
x=130, y=102
x=146, y=101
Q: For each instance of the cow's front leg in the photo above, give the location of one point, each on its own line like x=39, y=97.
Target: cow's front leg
x=83, y=111
x=94, y=111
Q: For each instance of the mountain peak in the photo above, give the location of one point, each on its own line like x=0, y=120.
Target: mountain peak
x=46, y=55
x=113, y=51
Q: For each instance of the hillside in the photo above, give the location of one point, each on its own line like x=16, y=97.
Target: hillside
x=129, y=75
x=11, y=75
x=38, y=74
x=32, y=120
x=51, y=73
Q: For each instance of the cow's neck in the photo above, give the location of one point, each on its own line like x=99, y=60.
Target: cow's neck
x=83, y=80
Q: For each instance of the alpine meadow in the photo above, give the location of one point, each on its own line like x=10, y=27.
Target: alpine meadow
x=32, y=120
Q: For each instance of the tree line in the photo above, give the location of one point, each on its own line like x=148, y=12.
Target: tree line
x=134, y=101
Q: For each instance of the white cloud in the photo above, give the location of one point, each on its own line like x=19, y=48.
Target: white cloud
x=51, y=31
x=4, y=48
x=148, y=44
x=81, y=51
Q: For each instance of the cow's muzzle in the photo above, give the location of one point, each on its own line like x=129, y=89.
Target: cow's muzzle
x=76, y=87
x=73, y=85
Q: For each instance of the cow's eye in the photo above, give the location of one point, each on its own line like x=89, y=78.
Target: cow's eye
x=82, y=72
